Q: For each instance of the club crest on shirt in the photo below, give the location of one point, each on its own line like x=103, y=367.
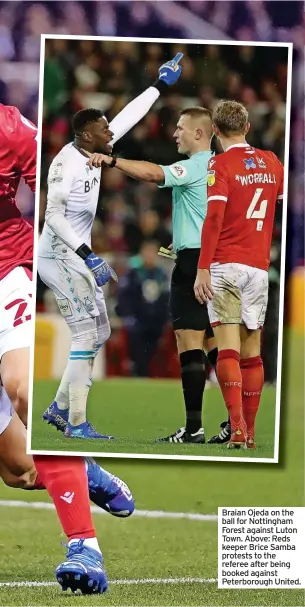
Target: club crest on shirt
x=88, y=304
x=211, y=178
x=178, y=170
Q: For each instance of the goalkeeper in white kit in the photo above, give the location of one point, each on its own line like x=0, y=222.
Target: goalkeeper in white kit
x=66, y=263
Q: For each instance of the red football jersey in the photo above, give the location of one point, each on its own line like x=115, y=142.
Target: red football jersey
x=247, y=182
x=18, y=151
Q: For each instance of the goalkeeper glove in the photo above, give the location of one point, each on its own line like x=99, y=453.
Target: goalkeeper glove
x=169, y=72
x=100, y=269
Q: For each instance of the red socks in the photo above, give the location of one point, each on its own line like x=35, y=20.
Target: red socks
x=230, y=381
x=252, y=372
x=241, y=384
x=66, y=481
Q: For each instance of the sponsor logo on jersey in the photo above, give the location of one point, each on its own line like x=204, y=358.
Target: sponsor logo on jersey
x=261, y=163
x=256, y=178
x=211, y=162
x=211, y=178
x=90, y=185
x=250, y=163
x=55, y=173
x=64, y=307
x=178, y=170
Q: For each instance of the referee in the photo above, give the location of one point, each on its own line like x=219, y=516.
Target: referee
x=188, y=180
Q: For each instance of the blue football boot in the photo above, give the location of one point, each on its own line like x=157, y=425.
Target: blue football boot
x=56, y=417
x=82, y=570
x=84, y=430
x=108, y=491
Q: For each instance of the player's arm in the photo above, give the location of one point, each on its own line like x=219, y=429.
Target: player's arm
x=217, y=199
x=210, y=233
x=137, y=169
x=138, y=107
x=177, y=174
x=23, y=134
x=280, y=193
x=60, y=181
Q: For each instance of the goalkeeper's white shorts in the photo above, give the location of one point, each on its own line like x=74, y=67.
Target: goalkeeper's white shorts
x=6, y=410
x=16, y=310
x=74, y=287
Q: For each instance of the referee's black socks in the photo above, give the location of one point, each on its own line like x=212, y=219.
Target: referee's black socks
x=193, y=375
x=212, y=356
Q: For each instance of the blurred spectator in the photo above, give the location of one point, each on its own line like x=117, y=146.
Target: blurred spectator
x=143, y=306
x=148, y=226
x=7, y=49
x=212, y=70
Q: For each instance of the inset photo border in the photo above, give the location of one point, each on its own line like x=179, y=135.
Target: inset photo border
x=109, y=355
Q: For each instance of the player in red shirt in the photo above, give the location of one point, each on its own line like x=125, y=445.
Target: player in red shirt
x=17, y=159
x=65, y=478
x=244, y=184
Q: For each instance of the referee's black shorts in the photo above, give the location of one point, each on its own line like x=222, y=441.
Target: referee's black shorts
x=185, y=310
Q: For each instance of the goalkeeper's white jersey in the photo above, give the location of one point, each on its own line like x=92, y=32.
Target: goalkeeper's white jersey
x=73, y=192
x=73, y=188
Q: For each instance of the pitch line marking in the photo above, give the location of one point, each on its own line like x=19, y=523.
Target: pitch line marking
x=192, y=516
x=182, y=580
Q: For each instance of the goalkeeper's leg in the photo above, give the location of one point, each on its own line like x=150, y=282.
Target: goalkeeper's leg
x=78, y=305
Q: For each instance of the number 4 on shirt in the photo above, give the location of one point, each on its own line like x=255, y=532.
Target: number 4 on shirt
x=260, y=214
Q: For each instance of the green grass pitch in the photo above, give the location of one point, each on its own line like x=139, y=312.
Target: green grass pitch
x=162, y=548
x=136, y=412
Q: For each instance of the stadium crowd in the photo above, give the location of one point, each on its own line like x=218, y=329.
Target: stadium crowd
x=133, y=218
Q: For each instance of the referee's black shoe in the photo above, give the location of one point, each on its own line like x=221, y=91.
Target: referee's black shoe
x=181, y=436
x=224, y=435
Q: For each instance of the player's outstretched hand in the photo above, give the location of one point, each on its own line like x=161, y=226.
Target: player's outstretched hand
x=170, y=71
x=202, y=287
x=100, y=269
x=97, y=160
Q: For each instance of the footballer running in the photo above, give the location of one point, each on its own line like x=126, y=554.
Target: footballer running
x=69, y=481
